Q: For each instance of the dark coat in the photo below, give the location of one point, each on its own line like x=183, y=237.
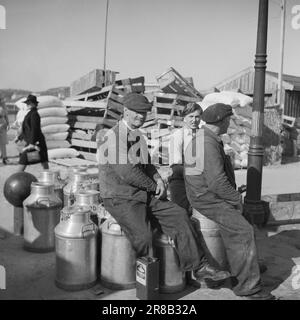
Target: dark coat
x=131, y=181
x=32, y=134
x=212, y=182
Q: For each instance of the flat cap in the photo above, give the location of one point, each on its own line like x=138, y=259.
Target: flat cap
x=216, y=112
x=136, y=102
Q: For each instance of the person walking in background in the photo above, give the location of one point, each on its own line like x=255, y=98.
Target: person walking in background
x=178, y=142
x=4, y=125
x=33, y=137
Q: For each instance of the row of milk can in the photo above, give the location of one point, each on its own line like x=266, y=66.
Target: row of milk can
x=42, y=208
x=74, y=233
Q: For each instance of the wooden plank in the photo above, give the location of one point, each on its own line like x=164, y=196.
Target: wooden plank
x=87, y=119
x=115, y=105
x=88, y=156
x=73, y=162
x=85, y=125
x=84, y=143
x=85, y=104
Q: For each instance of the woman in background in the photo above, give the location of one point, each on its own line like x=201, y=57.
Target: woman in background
x=33, y=136
x=178, y=143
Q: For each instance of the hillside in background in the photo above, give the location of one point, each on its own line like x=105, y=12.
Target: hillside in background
x=12, y=95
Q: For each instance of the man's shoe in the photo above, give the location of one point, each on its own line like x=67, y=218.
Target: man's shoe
x=209, y=272
x=4, y=161
x=261, y=295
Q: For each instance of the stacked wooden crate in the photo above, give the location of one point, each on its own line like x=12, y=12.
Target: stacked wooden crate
x=90, y=112
x=176, y=93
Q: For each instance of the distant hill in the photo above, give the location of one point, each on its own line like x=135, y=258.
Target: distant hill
x=12, y=95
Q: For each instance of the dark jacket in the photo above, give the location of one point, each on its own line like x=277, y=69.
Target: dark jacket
x=32, y=134
x=212, y=182
x=119, y=177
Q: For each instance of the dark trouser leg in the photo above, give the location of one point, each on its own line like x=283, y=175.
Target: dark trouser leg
x=239, y=242
x=175, y=223
x=45, y=165
x=132, y=217
x=178, y=193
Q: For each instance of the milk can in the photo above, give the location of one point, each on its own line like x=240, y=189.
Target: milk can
x=118, y=258
x=78, y=183
x=212, y=242
x=92, y=199
x=76, y=249
x=41, y=215
x=171, y=278
x=53, y=177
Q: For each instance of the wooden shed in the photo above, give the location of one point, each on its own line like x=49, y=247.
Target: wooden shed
x=244, y=82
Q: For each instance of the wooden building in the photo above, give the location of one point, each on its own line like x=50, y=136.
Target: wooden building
x=244, y=82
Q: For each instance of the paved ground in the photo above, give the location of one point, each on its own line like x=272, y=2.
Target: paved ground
x=31, y=275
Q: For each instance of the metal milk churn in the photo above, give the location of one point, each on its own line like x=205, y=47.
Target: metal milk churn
x=171, y=278
x=90, y=198
x=211, y=240
x=53, y=177
x=41, y=215
x=118, y=258
x=76, y=249
x=78, y=183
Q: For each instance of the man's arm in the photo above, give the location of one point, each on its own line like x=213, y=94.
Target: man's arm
x=217, y=180
x=135, y=176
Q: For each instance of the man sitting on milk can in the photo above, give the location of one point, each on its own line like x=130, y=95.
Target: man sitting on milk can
x=211, y=190
x=134, y=193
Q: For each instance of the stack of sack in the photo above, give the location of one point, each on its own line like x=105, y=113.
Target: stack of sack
x=237, y=140
x=54, y=126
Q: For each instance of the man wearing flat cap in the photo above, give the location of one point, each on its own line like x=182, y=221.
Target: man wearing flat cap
x=211, y=190
x=135, y=195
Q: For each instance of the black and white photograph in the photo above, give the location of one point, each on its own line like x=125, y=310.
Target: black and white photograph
x=150, y=153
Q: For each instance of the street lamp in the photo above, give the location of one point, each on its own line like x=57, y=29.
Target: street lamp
x=255, y=209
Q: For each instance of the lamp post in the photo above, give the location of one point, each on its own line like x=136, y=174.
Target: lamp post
x=255, y=209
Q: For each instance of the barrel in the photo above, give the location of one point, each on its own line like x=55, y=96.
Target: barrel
x=211, y=240
x=118, y=258
x=171, y=278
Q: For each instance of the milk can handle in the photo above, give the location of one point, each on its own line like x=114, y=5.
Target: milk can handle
x=111, y=223
x=43, y=199
x=89, y=230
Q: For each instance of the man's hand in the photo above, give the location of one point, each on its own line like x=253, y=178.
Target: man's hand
x=161, y=191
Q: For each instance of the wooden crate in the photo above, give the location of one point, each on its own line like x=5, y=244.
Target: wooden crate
x=172, y=82
x=170, y=106
x=93, y=81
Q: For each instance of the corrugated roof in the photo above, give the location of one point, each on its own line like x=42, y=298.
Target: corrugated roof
x=293, y=80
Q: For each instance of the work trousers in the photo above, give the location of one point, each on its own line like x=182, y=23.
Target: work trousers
x=136, y=218
x=178, y=193
x=239, y=242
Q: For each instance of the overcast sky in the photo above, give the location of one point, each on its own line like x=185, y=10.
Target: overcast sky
x=50, y=43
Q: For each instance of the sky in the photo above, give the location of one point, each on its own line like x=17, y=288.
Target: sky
x=50, y=43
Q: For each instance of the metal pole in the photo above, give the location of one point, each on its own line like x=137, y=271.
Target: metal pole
x=254, y=208
x=282, y=35
x=105, y=41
